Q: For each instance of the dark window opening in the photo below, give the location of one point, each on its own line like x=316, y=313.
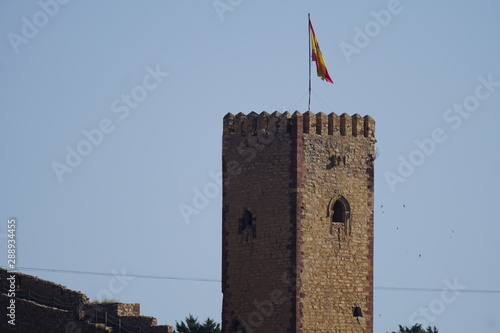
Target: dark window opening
x=247, y=227
x=238, y=327
x=338, y=212
x=356, y=312
x=247, y=219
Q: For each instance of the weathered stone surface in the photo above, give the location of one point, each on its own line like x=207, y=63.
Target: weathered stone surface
x=290, y=263
x=46, y=290
x=122, y=309
x=44, y=306
x=32, y=317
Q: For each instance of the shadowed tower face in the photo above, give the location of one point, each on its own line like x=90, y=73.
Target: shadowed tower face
x=297, y=223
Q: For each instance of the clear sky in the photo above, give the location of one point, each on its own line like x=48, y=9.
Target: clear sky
x=111, y=122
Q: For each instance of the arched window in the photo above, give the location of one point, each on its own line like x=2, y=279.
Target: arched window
x=356, y=312
x=339, y=213
x=340, y=210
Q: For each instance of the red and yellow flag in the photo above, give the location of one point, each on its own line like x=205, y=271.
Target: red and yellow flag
x=318, y=57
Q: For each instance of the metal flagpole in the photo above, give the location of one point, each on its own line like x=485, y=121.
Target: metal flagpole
x=309, y=30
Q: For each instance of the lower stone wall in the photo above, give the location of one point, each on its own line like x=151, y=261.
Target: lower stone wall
x=121, y=309
x=44, y=291
x=139, y=321
x=45, y=307
x=162, y=329
x=31, y=317
x=131, y=322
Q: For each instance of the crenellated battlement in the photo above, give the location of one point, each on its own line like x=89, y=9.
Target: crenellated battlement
x=319, y=123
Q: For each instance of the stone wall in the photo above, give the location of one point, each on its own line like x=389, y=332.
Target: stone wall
x=122, y=309
x=162, y=329
x=126, y=315
x=287, y=266
x=44, y=306
x=256, y=265
x=45, y=291
x=336, y=265
x=32, y=317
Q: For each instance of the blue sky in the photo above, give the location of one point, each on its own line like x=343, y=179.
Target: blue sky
x=138, y=90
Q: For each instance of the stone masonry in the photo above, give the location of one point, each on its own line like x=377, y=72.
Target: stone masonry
x=46, y=307
x=298, y=223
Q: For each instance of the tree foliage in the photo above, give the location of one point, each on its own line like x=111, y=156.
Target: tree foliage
x=191, y=325
x=417, y=328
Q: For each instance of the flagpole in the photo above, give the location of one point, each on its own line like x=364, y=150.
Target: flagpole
x=309, y=30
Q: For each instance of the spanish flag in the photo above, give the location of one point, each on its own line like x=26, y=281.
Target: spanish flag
x=318, y=57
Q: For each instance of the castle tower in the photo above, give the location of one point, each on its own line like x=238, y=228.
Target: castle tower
x=297, y=223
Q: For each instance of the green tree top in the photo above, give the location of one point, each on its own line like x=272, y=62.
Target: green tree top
x=417, y=328
x=191, y=325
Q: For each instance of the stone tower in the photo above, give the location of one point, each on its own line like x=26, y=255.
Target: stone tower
x=297, y=223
